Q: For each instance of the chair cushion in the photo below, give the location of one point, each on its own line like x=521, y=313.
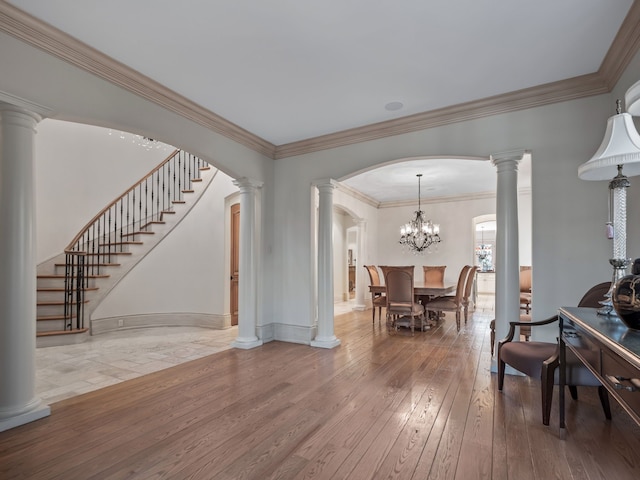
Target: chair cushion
x=442, y=303
x=527, y=357
x=380, y=301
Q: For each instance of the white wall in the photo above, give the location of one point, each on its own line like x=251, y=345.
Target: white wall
x=186, y=272
x=79, y=170
x=567, y=213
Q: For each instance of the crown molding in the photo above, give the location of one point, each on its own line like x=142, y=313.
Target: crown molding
x=352, y=192
x=624, y=47
x=43, y=36
x=570, y=89
x=26, y=28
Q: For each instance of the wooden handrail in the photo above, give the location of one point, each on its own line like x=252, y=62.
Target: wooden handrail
x=76, y=239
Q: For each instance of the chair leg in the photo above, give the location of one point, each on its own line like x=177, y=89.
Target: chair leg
x=547, y=377
x=501, y=367
x=492, y=326
x=573, y=390
x=458, y=320
x=373, y=320
x=604, y=400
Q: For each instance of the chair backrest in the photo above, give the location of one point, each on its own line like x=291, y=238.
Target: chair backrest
x=595, y=295
x=462, y=281
x=433, y=274
x=471, y=276
x=525, y=279
x=399, y=285
x=374, y=276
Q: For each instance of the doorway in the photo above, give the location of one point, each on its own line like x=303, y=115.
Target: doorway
x=235, y=261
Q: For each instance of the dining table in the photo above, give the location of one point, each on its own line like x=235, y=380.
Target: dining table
x=423, y=291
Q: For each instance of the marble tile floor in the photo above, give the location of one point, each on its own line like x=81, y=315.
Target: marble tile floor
x=110, y=358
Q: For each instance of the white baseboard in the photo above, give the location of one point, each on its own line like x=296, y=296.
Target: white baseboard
x=112, y=324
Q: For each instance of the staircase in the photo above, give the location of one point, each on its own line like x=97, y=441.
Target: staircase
x=70, y=286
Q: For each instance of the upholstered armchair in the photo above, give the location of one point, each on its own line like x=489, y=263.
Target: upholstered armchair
x=433, y=274
x=541, y=359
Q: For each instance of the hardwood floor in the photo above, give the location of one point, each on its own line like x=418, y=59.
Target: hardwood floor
x=378, y=406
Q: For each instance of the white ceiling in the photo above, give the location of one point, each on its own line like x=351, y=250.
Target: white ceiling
x=289, y=70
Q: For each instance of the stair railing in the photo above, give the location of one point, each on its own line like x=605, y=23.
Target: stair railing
x=112, y=230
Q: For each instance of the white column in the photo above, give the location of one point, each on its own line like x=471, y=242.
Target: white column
x=324, y=336
x=507, y=300
x=18, y=403
x=361, y=280
x=247, y=295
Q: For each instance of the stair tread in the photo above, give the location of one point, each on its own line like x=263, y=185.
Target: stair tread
x=128, y=242
x=62, y=332
x=62, y=289
x=61, y=276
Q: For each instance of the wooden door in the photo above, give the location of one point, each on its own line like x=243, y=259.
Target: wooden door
x=235, y=260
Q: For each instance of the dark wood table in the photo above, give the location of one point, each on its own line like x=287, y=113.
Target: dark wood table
x=616, y=362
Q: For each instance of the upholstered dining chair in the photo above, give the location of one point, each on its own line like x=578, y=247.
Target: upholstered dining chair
x=525, y=289
x=400, y=297
x=541, y=359
x=378, y=300
x=468, y=287
x=451, y=303
x=433, y=274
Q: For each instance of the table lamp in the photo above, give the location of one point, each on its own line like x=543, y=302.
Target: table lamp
x=617, y=158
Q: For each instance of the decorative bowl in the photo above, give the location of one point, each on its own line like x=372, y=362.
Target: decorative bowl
x=626, y=300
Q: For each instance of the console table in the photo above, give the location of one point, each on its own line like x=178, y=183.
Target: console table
x=614, y=355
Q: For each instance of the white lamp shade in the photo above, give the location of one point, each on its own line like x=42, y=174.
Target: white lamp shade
x=621, y=146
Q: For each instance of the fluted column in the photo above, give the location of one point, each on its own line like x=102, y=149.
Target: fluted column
x=18, y=402
x=361, y=281
x=507, y=262
x=324, y=336
x=247, y=295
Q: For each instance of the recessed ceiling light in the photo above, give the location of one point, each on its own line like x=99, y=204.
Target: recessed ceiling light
x=392, y=106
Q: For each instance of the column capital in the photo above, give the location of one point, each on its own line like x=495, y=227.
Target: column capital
x=17, y=115
x=325, y=183
x=504, y=158
x=245, y=183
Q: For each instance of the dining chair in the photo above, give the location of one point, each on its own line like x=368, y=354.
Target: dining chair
x=400, y=297
x=468, y=287
x=433, y=274
x=541, y=359
x=525, y=289
x=451, y=303
x=378, y=300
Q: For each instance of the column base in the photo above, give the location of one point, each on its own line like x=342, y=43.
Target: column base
x=246, y=343
x=327, y=342
x=360, y=308
x=40, y=411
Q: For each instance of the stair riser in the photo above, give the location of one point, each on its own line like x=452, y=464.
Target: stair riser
x=46, y=310
x=50, y=296
x=58, y=282
x=50, y=325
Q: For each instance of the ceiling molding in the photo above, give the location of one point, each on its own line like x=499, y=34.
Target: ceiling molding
x=352, y=192
x=577, y=87
x=26, y=28
x=623, y=49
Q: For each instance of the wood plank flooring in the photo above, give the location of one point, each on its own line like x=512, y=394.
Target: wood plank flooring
x=378, y=406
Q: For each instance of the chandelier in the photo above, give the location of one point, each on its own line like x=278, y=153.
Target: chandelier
x=419, y=234
x=483, y=252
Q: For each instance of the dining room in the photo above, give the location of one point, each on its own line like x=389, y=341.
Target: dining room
x=456, y=195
